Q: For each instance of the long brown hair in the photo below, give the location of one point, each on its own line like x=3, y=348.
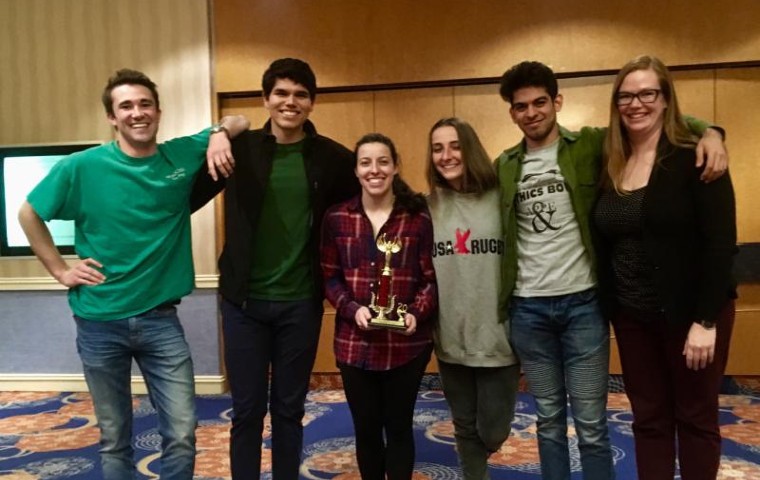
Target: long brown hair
x=479, y=174
x=617, y=146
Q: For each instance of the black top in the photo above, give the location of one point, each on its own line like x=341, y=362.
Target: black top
x=619, y=219
x=330, y=173
x=688, y=231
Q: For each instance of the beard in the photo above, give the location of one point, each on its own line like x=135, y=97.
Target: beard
x=542, y=133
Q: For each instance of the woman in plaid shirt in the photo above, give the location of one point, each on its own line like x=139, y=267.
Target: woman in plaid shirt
x=381, y=368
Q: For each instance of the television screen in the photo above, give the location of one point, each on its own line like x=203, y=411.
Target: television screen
x=21, y=169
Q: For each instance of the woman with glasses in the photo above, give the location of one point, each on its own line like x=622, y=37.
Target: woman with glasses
x=381, y=369
x=666, y=242
x=478, y=369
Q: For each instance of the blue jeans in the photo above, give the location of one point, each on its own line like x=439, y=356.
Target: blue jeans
x=282, y=335
x=564, y=347
x=156, y=341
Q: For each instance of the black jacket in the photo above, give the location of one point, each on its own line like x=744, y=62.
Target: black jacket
x=689, y=234
x=330, y=173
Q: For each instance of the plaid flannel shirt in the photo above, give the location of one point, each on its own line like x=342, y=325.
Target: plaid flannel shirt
x=351, y=264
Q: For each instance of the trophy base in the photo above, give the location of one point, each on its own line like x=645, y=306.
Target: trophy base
x=386, y=323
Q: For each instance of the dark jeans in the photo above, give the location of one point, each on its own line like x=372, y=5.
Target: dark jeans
x=283, y=336
x=382, y=408
x=672, y=405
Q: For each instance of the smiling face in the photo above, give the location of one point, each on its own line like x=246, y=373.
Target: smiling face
x=375, y=169
x=447, y=155
x=641, y=118
x=535, y=113
x=289, y=106
x=136, y=118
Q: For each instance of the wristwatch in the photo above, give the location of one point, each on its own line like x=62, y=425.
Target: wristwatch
x=707, y=324
x=218, y=127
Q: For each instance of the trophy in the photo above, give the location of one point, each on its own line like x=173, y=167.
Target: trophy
x=383, y=304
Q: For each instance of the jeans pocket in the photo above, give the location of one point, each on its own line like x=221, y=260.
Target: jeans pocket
x=584, y=297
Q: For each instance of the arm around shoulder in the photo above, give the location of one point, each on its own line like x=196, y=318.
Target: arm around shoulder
x=219, y=156
x=207, y=183
x=234, y=125
x=711, y=149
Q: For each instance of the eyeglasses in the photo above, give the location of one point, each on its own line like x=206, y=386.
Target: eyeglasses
x=645, y=96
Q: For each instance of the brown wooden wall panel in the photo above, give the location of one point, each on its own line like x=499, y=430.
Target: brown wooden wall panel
x=743, y=358
x=482, y=107
x=737, y=101
x=252, y=108
x=586, y=102
x=358, y=42
x=344, y=117
x=325, y=361
x=406, y=117
x=696, y=93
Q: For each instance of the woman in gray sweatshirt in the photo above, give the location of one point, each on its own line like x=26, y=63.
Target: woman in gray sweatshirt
x=478, y=369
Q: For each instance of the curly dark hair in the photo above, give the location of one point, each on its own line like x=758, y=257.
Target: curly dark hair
x=527, y=74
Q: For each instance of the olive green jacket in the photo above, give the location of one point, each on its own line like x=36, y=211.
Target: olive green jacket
x=580, y=160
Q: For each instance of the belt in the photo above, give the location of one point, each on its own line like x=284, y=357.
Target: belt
x=164, y=306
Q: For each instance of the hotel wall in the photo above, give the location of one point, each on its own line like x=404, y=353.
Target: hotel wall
x=56, y=56
x=352, y=43
x=374, y=50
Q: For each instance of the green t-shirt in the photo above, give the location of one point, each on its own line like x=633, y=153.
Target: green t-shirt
x=281, y=266
x=130, y=214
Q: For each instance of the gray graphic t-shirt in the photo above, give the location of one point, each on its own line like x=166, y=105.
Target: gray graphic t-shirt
x=551, y=259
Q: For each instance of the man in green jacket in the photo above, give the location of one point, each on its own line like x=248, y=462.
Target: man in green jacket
x=549, y=184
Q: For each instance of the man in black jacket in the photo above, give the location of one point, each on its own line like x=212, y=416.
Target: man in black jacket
x=286, y=176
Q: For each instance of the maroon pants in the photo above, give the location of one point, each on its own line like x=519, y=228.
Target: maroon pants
x=672, y=405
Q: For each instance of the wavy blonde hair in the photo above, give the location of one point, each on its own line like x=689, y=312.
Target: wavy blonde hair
x=617, y=146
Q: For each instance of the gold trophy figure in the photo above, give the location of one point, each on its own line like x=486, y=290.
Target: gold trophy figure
x=384, y=301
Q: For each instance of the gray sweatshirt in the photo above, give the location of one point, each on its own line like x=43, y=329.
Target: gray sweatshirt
x=467, y=251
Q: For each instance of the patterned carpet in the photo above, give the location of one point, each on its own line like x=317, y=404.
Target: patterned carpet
x=54, y=436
